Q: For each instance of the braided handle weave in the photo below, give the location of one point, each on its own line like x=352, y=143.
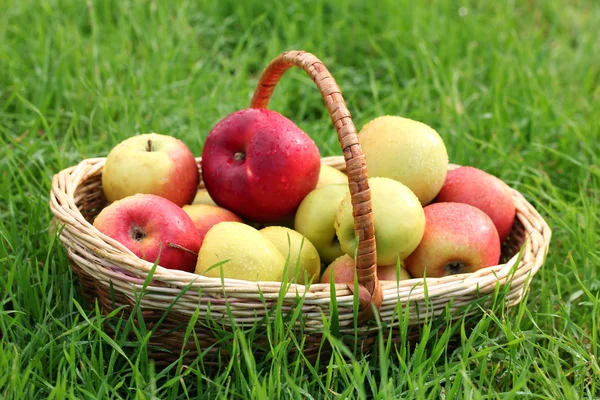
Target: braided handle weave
x=369, y=290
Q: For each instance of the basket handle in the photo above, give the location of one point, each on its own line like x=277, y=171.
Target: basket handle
x=369, y=290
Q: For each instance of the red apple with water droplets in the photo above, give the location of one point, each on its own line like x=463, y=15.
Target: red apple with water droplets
x=480, y=189
x=458, y=238
x=259, y=164
x=150, y=226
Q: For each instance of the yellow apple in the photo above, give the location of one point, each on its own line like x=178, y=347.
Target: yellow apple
x=329, y=175
x=304, y=262
x=407, y=151
x=316, y=216
x=202, y=197
x=398, y=217
x=244, y=252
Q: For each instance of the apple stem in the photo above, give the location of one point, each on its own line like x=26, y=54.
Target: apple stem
x=150, y=145
x=176, y=246
x=239, y=156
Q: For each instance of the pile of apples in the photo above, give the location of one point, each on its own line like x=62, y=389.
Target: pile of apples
x=272, y=212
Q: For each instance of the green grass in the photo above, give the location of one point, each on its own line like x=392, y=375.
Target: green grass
x=512, y=87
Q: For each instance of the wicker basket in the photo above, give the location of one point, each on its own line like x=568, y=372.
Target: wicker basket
x=114, y=276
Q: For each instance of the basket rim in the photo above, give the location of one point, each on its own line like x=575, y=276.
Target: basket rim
x=83, y=234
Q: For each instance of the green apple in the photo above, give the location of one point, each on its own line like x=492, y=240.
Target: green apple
x=407, y=151
x=244, y=252
x=398, y=217
x=315, y=218
x=304, y=262
x=329, y=175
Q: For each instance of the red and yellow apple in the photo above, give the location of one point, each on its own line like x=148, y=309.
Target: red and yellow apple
x=304, y=265
x=236, y=250
x=153, y=228
x=398, y=216
x=458, y=238
x=259, y=164
x=151, y=164
x=407, y=151
x=204, y=216
x=342, y=269
x=480, y=189
x=392, y=273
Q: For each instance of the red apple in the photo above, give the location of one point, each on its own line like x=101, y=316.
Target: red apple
x=152, y=164
x=152, y=226
x=342, y=269
x=475, y=187
x=205, y=216
x=392, y=273
x=259, y=164
x=458, y=238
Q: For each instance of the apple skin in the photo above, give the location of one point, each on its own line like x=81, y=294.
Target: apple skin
x=398, y=216
x=302, y=254
x=202, y=197
x=167, y=169
x=150, y=225
x=259, y=164
x=204, y=216
x=458, y=238
x=329, y=175
x=315, y=219
x=343, y=271
x=251, y=256
x=484, y=191
x=391, y=273
x=408, y=151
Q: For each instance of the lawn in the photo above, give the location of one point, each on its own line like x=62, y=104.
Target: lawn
x=513, y=87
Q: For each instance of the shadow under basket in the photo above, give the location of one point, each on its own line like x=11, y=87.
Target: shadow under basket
x=169, y=299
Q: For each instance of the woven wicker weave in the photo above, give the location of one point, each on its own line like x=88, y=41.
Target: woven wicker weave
x=113, y=275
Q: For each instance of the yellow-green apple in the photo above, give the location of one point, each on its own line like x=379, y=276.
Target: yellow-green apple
x=315, y=219
x=202, y=197
x=329, y=175
x=392, y=273
x=205, y=216
x=259, y=164
x=304, y=265
x=398, y=216
x=458, y=238
x=151, y=164
x=236, y=250
x=408, y=151
x=342, y=269
x=480, y=189
x=153, y=228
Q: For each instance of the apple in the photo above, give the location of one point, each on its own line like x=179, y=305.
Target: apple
x=153, y=228
x=342, y=269
x=242, y=252
x=458, y=238
x=392, y=273
x=151, y=164
x=259, y=164
x=399, y=221
x=304, y=264
x=315, y=219
x=484, y=191
x=329, y=175
x=407, y=151
x=205, y=216
x=202, y=197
